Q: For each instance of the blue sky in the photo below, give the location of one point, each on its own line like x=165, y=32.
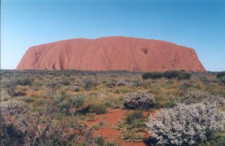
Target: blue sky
x=196, y=24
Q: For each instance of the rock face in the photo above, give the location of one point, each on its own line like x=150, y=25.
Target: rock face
x=111, y=53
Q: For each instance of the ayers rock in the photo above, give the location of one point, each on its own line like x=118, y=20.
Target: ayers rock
x=111, y=53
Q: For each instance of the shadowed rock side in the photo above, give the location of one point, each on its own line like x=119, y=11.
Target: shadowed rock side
x=111, y=53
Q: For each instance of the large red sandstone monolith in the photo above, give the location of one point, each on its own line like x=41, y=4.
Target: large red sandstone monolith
x=111, y=53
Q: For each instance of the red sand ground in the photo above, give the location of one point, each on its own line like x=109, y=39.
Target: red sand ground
x=111, y=53
x=108, y=131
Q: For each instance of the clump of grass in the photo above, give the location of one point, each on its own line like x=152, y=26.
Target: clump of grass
x=90, y=117
x=114, y=102
x=165, y=100
x=100, y=141
x=37, y=94
x=89, y=84
x=121, y=90
x=80, y=144
x=98, y=108
x=111, y=84
x=13, y=90
x=20, y=90
x=133, y=136
x=195, y=97
x=29, y=99
x=14, y=87
x=16, y=105
x=132, y=126
x=39, y=102
x=52, y=84
x=135, y=117
x=97, y=126
x=24, y=81
x=75, y=88
x=65, y=81
x=68, y=104
x=185, y=85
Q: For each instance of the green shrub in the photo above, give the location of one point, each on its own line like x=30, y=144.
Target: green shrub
x=65, y=102
x=181, y=75
x=100, y=141
x=20, y=90
x=185, y=85
x=194, y=97
x=198, y=97
x=24, y=81
x=133, y=136
x=111, y=143
x=88, y=84
x=75, y=88
x=77, y=101
x=9, y=135
x=152, y=75
x=98, y=108
x=146, y=76
x=111, y=84
x=222, y=79
x=11, y=90
x=64, y=81
x=184, y=75
x=13, y=105
x=64, y=105
x=52, y=84
x=220, y=74
x=171, y=74
x=29, y=100
x=133, y=126
x=132, y=117
x=79, y=144
x=204, y=78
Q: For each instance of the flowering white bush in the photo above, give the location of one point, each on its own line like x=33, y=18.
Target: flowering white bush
x=198, y=97
x=138, y=100
x=195, y=97
x=12, y=105
x=186, y=124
